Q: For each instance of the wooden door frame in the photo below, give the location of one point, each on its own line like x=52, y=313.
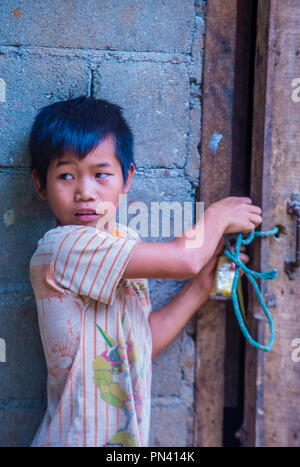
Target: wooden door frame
x=224, y=171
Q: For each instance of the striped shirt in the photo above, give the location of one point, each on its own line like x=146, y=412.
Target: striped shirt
x=96, y=338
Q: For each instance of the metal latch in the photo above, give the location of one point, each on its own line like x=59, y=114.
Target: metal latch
x=293, y=208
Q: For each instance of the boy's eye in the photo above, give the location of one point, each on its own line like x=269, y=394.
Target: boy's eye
x=64, y=176
x=67, y=176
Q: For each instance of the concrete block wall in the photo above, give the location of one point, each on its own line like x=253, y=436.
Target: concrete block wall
x=147, y=57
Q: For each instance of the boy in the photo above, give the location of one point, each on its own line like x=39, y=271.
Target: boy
x=88, y=277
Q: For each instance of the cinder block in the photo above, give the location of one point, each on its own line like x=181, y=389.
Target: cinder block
x=163, y=290
x=166, y=378
x=155, y=99
x=165, y=26
x=153, y=188
x=23, y=374
x=32, y=82
x=24, y=220
x=187, y=359
x=168, y=423
x=20, y=423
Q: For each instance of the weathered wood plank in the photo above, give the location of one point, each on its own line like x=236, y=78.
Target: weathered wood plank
x=225, y=156
x=272, y=403
x=215, y=183
x=282, y=374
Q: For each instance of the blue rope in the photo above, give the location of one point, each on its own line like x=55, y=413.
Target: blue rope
x=235, y=257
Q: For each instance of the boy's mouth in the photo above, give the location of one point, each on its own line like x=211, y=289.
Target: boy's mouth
x=86, y=214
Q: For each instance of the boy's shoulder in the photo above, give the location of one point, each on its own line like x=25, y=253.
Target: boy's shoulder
x=120, y=231
x=126, y=231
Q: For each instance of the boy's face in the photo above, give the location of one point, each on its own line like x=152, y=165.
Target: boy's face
x=75, y=186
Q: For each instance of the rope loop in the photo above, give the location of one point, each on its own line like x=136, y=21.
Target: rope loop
x=234, y=256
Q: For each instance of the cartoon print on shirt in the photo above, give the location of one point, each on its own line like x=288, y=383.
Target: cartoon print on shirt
x=139, y=286
x=120, y=358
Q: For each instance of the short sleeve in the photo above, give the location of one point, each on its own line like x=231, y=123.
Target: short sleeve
x=91, y=263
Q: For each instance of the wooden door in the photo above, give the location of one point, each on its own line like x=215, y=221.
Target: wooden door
x=251, y=146
x=272, y=380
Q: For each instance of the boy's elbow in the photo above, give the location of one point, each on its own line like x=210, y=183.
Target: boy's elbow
x=187, y=262
x=191, y=266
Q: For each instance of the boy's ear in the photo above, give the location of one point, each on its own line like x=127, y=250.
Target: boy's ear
x=42, y=193
x=131, y=171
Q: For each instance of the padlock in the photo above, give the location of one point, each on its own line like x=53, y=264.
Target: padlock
x=223, y=279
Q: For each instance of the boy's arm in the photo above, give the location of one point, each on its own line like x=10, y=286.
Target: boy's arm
x=166, y=322
x=177, y=259
x=173, y=260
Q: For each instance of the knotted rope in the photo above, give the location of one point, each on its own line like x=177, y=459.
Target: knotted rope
x=234, y=255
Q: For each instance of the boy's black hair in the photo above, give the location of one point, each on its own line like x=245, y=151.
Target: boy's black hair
x=78, y=125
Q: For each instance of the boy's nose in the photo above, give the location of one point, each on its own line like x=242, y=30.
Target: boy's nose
x=84, y=192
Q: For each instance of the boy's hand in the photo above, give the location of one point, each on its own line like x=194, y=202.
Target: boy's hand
x=238, y=213
x=204, y=280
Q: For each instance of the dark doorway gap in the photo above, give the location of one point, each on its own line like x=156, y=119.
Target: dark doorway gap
x=241, y=170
